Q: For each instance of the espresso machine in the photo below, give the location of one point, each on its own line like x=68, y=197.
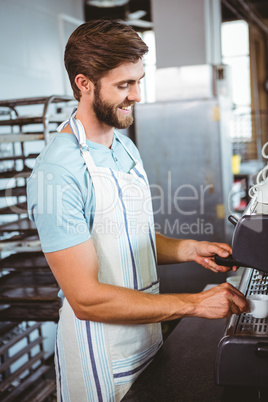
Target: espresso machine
x=242, y=353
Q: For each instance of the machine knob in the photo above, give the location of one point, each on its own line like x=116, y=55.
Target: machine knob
x=233, y=219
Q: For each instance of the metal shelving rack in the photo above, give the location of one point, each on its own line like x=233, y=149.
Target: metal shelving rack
x=28, y=290
x=27, y=381
x=23, y=128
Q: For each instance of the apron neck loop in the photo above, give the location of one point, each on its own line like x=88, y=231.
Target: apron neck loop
x=80, y=135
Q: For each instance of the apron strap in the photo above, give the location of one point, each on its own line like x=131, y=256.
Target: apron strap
x=137, y=168
x=84, y=149
x=126, y=149
x=80, y=135
x=70, y=121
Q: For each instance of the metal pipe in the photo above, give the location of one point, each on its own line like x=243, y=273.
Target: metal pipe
x=248, y=14
x=256, y=95
x=253, y=16
x=231, y=8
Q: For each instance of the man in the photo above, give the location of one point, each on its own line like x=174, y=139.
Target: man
x=90, y=199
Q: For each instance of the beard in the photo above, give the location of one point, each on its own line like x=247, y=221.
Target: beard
x=107, y=112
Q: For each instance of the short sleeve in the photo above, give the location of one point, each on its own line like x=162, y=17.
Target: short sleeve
x=56, y=203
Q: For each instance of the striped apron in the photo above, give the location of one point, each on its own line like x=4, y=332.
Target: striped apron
x=96, y=361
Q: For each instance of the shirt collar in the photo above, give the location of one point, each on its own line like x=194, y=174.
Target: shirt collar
x=101, y=147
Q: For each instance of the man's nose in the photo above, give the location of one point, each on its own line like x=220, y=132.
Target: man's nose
x=135, y=93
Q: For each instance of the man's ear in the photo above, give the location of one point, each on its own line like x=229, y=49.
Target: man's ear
x=84, y=84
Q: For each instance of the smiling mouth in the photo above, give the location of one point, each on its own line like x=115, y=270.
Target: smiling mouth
x=127, y=108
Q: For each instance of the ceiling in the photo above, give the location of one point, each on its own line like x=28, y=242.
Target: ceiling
x=136, y=12
x=235, y=9
x=131, y=11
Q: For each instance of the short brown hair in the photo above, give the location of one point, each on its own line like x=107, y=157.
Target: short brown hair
x=98, y=46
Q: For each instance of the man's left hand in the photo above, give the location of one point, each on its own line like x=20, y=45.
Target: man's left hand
x=204, y=254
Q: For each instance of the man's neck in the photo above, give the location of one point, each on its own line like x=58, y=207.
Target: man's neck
x=95, y=130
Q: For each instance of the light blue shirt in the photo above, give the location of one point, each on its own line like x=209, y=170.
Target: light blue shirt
x=60, y=193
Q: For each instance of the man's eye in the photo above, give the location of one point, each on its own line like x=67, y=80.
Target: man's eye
x=124, y=86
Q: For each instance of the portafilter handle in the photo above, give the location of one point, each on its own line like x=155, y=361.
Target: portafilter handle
x=226, y=262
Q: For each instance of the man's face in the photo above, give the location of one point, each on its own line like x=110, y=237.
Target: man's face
x=116, y=93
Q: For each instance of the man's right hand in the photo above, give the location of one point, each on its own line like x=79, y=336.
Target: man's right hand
x=220, y=301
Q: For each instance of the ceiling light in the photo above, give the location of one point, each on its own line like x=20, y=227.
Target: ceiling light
x=107, y=3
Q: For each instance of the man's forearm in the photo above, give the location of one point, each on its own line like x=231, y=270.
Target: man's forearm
x=118, y=305
x=171, y=251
